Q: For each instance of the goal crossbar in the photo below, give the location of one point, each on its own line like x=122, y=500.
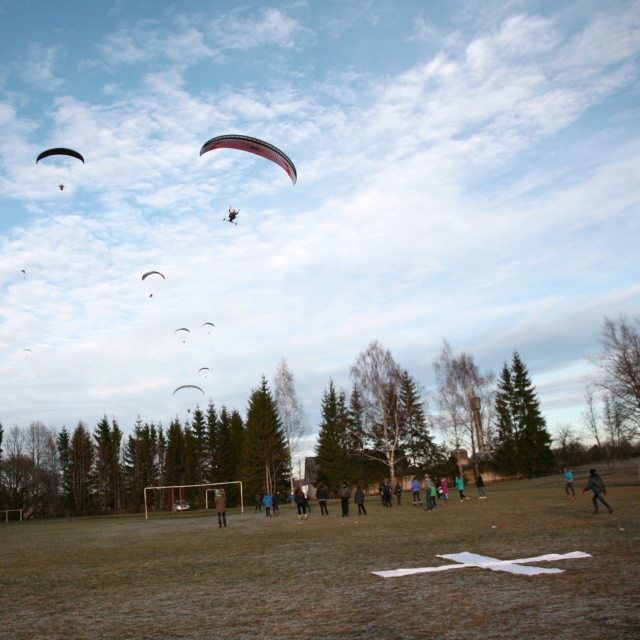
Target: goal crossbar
x=189, y=486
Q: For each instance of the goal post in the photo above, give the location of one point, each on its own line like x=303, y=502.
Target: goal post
x=219, y=484
x=190, y=486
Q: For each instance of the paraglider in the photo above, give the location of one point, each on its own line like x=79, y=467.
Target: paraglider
x=188, y=386
x=203, y=369
x=233, y=214
x=208, y=323
x=25, y=273
x=255, y=146
x=29, y=350
x=182, y=329
x=150, y=273
x=60, y=151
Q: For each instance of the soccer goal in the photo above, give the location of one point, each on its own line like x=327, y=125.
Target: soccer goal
x=179, y=489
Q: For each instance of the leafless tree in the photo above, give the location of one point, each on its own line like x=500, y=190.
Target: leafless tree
x=618, y=368
x=291, y=413
x=379, y=379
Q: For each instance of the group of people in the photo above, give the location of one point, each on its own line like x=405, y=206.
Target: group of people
x=435, y=489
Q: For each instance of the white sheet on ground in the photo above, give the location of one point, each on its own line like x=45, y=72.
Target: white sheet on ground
x=467, y=559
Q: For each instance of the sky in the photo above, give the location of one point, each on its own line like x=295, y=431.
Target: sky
x=467, y=170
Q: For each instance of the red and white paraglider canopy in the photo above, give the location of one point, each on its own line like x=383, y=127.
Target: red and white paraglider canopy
x=253, y=145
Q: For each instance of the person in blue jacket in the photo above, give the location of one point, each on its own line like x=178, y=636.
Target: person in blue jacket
x=268, y=501
x=415, y=488
x=568, y=478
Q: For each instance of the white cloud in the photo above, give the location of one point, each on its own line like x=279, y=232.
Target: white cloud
x=383, y=238
x=36, y=68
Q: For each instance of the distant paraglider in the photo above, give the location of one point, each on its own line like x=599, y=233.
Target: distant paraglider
x=182, y=329
x=150, y=273
x=188, y=386
x=233, y=214
x=60, y=151
x=29, y=350
x=255, y=146
x=24, y=272
x=210, y=324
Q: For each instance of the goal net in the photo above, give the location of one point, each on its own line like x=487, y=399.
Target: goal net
x=178, y=493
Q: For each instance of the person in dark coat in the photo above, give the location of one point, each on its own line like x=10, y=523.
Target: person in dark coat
x=257, y=503
x=301, y=503
x=359, y=500
x=596, y=484
x=344, y=493
x=322, y=495
x=276, y=502
x=385, y=492
x=480, y=486
x=398, y=492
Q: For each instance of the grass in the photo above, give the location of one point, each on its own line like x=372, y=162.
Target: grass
x=183, y=577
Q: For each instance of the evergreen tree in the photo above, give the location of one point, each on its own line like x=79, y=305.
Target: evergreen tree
x=523, y=442
x=81, y=470
x=225, y=459
x=418, y=443
x=212, y=443
x=64, y=455
x=200, y=449
x=108, y=440
x=332, y=457
x=264, y=453
x=174, y=470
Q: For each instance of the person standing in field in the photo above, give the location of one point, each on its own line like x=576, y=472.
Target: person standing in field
x=398, y=492
x=322, y=495
x=428, y=483
x=596, y=484
x=385, y=492
x=300, y=503
x=268, y=501
x=257, y=503
x=276, y=502
x=221, y=507
x=444, y=486
x=344, y=493
x=305, y=491
x=415, y=488
x=460, y=485
x=434, y=493
x=480, y=486
x=568, y=488
x=438, y=489
x=359, y=500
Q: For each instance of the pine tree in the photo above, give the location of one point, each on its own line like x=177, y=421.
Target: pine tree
x=212, y=429
x=81, y=470
x=523, y=442
x=264, y=454
x=174, y=470
x=534, y=441
x=418, y=444
x=332, y=458
x=64, y=455
x=200, y=453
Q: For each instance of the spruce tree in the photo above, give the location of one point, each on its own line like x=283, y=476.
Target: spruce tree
x=505, y=456
x=212, y=443
x=81, y=470
x=175, y=453
x=332, y=458
x=63, y=447
x=200, y=453
x=534, y=441
x=264, y=454
x=418, y=444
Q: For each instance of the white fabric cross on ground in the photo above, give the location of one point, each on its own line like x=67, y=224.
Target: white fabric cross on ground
x=467, y=559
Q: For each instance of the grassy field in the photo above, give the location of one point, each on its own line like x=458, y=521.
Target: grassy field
x=183, y=577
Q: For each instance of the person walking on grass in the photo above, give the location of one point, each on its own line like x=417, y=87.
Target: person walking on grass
x=460, y=485
x=438, y=489
x=434, y=493
x=444, y=486
x=480, y=486
x=276, y=502
x=300, y=503
x=344, y=493
x=398, y=492
x=596, y=484
x=359, y=500
x=322, y=495
x=268, y=501
x=568, y=488
x=415, y=489
x=428, y=483
x=257, y=503
x=221, y=507
x=385, y=491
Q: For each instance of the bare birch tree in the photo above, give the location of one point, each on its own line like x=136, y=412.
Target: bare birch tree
x=291, y=412
x=379, y=379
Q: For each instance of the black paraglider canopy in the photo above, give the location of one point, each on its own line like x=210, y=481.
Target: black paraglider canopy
x=59, y=151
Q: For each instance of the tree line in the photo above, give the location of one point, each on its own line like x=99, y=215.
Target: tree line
x=387, y=425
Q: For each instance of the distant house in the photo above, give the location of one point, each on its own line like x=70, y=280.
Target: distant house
x=462, y=456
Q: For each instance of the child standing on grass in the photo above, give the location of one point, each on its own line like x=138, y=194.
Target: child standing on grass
x=221, y=507
x=460, y=485
x=268, y=501
x=480, y=485
x=257, y=503
x=359, y=500
x=300, y=503
x=568, y=478
x=398, y=492
x=434, y=492
x=596, y=484
x=444, y=487
x=276, y=503
x=428, y=483
x=321, y=495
